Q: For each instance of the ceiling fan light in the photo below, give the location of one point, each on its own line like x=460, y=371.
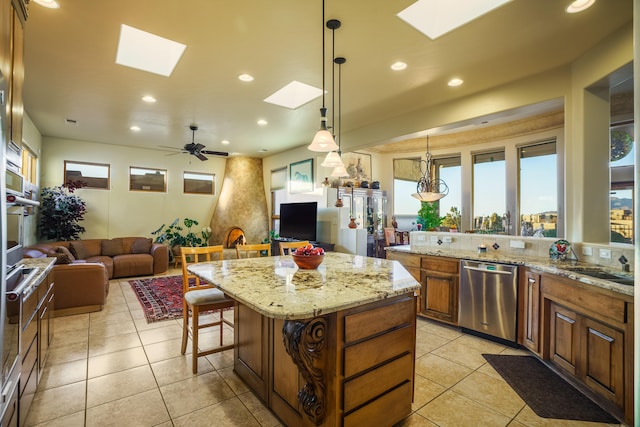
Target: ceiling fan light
x=339, y=171
x=332, y=160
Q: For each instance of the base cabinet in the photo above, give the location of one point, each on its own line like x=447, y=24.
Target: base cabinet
x=530, y=295
x=350, y=368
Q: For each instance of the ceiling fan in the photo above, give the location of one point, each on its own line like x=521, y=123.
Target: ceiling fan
x=197, y=149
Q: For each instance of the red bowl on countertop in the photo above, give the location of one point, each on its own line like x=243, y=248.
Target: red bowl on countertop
x=307, y=262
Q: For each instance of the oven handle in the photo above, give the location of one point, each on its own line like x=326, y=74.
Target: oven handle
x=484, y=270
x=25, y=284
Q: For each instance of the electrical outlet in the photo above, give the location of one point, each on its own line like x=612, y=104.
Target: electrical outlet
x=518, y=244
x=419, y=237
x=605, y=253
x=587, y=250
x=434, y=239
x=447, y=239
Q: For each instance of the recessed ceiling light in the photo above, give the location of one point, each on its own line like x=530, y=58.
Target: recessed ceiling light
x=294, y=95
x=246, y=77
x=135, y=128
x=147, y=52
x=398, y=66
x=580, y=5
x=51, y=4
x=455, y=82
x=71, y=122
x=148, y=98
x=225, y=142
x=262, y=122
x=434, y=18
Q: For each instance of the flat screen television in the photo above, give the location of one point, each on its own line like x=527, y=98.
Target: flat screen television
x=298, y=220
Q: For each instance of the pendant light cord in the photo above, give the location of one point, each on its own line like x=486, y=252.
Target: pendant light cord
x=323, y=72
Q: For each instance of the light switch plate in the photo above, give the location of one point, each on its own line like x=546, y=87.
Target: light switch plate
x=447, y=239
x=419, y=238
x=434, y=239
x=587, y=250
x=605, y=253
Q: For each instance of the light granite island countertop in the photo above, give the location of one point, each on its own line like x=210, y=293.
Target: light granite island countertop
x=275, y=286
x=347, y=329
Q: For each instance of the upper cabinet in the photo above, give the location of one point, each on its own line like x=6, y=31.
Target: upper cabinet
x=13, y=14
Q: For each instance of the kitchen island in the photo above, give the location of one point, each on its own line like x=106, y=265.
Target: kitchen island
x=326, y=347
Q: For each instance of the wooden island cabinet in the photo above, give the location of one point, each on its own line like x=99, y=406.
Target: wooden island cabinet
x=328, y=347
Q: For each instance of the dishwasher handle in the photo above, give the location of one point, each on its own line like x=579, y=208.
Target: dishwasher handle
x=484, y=270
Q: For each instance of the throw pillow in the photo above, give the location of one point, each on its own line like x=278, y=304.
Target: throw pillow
x=79, y=250
x=141, y=246
x=112, y=247
x=63, y=255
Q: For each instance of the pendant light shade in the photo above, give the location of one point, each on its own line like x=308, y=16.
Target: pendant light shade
x=323, y=140
x=429, y=189
x=339, y=172
x=332, y=160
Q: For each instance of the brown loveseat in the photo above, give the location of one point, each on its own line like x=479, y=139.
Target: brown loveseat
x=84, y=267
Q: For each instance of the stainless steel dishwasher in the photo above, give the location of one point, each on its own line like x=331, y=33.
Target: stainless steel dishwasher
x=488, y=298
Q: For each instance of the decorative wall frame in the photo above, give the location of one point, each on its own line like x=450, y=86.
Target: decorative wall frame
x=301, y=176
x=358, y=166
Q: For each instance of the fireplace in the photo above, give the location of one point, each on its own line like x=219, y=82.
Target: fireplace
x=242, y=204
x=235, y=236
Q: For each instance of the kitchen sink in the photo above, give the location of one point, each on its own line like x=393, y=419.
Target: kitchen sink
x=599, y=273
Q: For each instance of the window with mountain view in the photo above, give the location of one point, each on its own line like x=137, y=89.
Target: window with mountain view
x=489, y=193
x=622, y=182
x=538, y=180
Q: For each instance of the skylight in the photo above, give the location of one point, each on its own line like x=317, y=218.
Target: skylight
x=434, y=18
x=147, y=52
x=294, y=95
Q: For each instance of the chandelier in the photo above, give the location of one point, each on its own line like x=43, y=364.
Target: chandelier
x=429, y=189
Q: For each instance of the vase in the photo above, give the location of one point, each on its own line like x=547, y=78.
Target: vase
x=339, y=203
x=352, y=223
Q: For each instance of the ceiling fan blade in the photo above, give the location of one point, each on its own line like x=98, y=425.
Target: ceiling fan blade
x=173, y=148
x=173, y=154
x=201, y=157
x=190, y=147
x=198, y=147
x=215, y=153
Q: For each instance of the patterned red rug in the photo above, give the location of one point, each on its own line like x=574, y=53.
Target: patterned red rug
x=160, y=297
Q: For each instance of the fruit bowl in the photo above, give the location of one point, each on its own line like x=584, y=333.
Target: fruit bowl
x=307, y=262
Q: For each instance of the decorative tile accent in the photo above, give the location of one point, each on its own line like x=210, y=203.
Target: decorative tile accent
x=496, y=246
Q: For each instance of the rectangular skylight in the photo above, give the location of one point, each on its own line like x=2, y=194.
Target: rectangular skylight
x=147, y=52
x=434, y=18
x=294, y=95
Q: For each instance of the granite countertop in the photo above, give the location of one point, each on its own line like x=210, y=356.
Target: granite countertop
x=44, y=265
x=277, y=288
x=560, y=268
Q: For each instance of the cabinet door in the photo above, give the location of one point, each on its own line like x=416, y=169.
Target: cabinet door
x=531, y=315
x=564, y=338
x=603, y=356
x=440, y=296
x=17, y=109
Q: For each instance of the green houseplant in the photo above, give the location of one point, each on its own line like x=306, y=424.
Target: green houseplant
x=179, y=234
x=61, y=210
x=428, y=216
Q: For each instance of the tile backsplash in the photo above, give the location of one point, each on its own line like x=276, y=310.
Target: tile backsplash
x=525, y=246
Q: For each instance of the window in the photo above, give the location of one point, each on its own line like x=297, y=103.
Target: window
x=91, y=175
x=198, y=183
x=489, y=192
x=143, y=179
x=406, y=173
x=538, y=166
x=450, y=171
x=622, y=182
x=278, y=195
x=29, y=165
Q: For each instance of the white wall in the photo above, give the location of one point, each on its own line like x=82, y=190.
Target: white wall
x=31, y=138
x=119, y=212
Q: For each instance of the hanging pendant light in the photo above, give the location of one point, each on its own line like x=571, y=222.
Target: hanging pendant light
x=323, y=140
x=429, y=189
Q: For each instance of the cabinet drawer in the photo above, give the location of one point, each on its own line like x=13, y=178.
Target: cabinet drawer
x=367, y=354
x=367, y=323
x=376, y=382
x=391, y=407
x=440, y=264
x=27, y=336
x=28, y=365
x=28, y=308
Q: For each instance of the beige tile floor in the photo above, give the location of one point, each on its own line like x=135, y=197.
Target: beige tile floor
x=111, y=368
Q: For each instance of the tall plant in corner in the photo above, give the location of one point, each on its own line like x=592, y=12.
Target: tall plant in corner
x=61, y=210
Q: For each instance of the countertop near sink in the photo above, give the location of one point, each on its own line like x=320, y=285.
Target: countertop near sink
x=560, y=268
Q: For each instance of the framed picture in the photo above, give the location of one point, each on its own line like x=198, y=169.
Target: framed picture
x=358, y=166
x=301, y=176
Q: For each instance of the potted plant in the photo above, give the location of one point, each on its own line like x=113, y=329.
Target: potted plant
x=428, y=216
x=61, y=210
x=174, y=237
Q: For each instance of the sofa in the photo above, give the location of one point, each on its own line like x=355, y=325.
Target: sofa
x=83, y=268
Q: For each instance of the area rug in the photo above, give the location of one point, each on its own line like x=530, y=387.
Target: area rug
x=546, y=393
x=160, y=297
